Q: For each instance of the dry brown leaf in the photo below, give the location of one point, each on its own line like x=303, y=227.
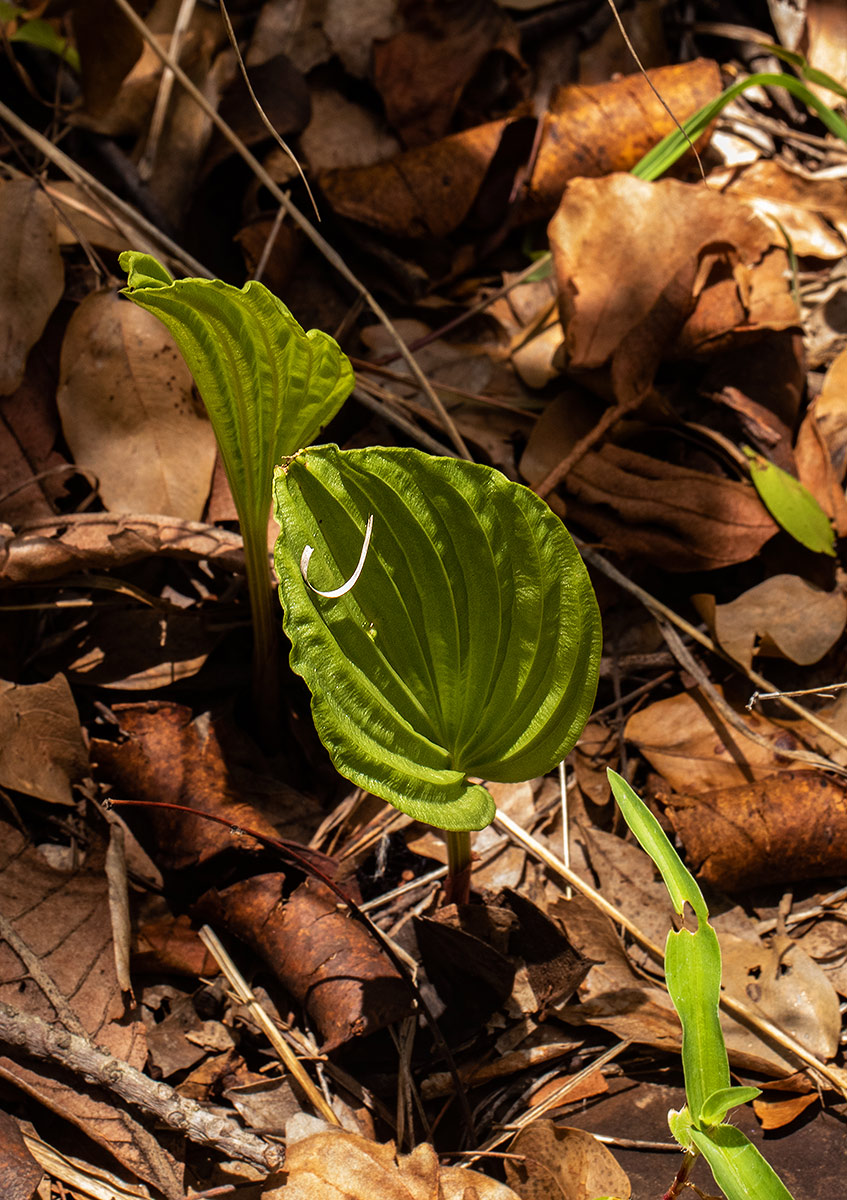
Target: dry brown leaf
x=783, y=616
x=825, y=43
x=775, y=1114
x=633, y=259
x=429, y=191
x=32, y=275
x=693, y=748
x=108, y=47
x=62, y=918
x=676, y=518
x=422, y=71
x=786, y=827
x=805, y=206
x=20, y=1174
x=565, y=1163
x=343, y=134
x=344, y=1166
x=42, y=750
x=128, y=413
x=781, y=983
x=821, y=451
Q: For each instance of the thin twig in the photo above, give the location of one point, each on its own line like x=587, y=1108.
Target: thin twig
x=75, y=1052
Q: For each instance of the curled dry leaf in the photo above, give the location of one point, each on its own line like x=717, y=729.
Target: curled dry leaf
x=32, y=276
x=821, y=451
x=42, y=751
x=627, y=251
x=676, y=518
x=20, y=1174
x=344, y=1166
x=128, y=412
x=564, y=1162
x=691, y=745
x=810, y=210
x=783, y=616
x=779, y=829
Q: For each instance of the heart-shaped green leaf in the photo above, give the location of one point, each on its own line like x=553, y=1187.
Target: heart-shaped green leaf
x=469, y=645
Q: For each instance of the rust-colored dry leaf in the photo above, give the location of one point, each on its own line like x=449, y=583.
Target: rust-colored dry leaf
x=693, y=748
x=674, y=517
x=775, y=1114
x=344, y=1166
x=429, y=191
x=329, y=963
x=565, y=1163
x=597, y=130
x=62, y=918
x=42, y=751
x=787, y=827
x=32, y=275
x=821, y=451
x=784, y=616
x=128, y=411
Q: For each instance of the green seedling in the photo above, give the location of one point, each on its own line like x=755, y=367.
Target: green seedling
x=269, y=388
x=444, y=622
x=693, y=976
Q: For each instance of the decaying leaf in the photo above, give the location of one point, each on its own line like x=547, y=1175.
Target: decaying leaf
x=42, y=751
x=782, y=828
x=780, y=982
x=784, y=615
x=677, y=518
x=32, y=276
x=20, y=1174
x=811, y=210
x=696, y=751
x=128, y=412
x=821, y=450
x=344, y=1166
x=564, y=1163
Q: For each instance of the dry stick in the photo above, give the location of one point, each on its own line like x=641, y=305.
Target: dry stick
x=307, y=227
x=78, y=1054
x=657, y=608
x=144, y=229
x=245, y=995
x=39, y=976
x=762, y=1027
x=163, y=97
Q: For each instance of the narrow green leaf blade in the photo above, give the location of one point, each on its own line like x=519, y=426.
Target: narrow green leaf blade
x=791, y=505
x=692, y=960
x=468, y=646
x=738, y=1167
x=268, y=386
x=716, y=1106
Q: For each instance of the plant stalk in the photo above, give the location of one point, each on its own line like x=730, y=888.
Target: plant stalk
x=457, y=885
x=265, y=664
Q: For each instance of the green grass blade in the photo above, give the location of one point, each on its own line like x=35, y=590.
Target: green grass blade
x=739, y=1169
x=671, y=148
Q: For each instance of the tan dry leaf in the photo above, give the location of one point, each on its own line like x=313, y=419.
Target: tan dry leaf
x=784, y=616
x=126, y=403
x=676, y=518
x=42, y=751
x=806, y=207
x=815, y=468
x=825, y=44
x=565, y=1163
x=625, y=249
x=345, y=1166
x=695, y=751
x=830, y=415
x=32, y=275
x=780, y=982
x=786, y=827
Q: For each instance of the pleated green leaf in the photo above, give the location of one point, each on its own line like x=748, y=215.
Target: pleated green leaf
x=468, y=646
x=268, y=386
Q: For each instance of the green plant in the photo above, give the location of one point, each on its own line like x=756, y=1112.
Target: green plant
x=465, y=644
x=268, y=387
x=693, y=975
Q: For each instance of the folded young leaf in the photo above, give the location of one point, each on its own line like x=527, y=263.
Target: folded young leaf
x=468, y=646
